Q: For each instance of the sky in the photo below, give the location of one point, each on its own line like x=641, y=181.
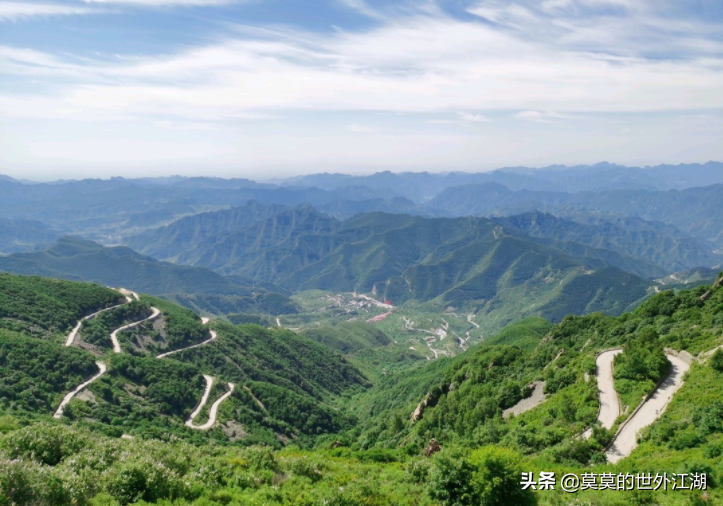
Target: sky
x=273, y=88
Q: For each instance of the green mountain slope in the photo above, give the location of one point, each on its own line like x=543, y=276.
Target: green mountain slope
x=197, y=288
x=671, y=252
x=24, y=235
x=287, y=386
x=460, y=261
x=696, y=211
x=379, y=461
x=464, y=397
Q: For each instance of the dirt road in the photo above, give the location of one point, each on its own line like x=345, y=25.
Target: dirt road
x=538, y=397
x=74, y=333
x=213, y=412
x=69, y=397
x=626, y=441
x=114, y=335
x=213, y=336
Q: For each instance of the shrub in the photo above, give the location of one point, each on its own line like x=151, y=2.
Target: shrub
x=489, y=476
x=716, y=361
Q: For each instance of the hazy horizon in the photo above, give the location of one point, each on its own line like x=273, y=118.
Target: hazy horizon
x=279, y=178
x=262, y=88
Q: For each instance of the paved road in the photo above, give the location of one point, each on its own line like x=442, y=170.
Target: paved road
x=114, y=335
x=213, y=412
x=626, y=441
x=69, y=397
x=609, y=401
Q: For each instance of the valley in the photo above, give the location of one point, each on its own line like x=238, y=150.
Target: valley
x=287, y=346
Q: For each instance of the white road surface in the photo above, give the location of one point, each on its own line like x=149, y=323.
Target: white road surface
x=213, y=336
x=609, y=401
x=129, y=294
x=74, y=333
x=626, y=441
x=213, y=412
x=69, y=397
x=114, y=335
x=538, y=397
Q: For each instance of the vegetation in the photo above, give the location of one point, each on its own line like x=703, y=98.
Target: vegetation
x=459, y=262
x=287, y=385
x=363, y=446
x=198, y=288
x=640, y=367
x=348, y=337
x=35, y=374
x=48, y=308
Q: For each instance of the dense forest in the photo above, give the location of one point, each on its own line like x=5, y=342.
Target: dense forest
x=305, y=427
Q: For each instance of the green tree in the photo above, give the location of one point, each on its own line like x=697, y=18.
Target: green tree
x=489, y=476
x=496, y=478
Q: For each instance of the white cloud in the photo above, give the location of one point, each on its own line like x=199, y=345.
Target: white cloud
x=361, y=7
x=541, y=116
x=362, y=129
x=542, y=68
x=473, y=118
x=15, y=11
x=162, y=3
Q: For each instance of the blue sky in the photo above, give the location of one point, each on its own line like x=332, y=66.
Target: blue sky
x=266, y=88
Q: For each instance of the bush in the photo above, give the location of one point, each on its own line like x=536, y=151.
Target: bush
x=489, y=476
x=716, y=361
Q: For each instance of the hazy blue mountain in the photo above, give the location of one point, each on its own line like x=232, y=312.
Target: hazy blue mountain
x=25, y=235
x=696, y=211
x=196, y=287
x=439, y=261
x=343, y=209
x=604, y=176
x=105, y=210
x=670, y=249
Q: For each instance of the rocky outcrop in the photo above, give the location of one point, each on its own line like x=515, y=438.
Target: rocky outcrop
x=709, y=293
x=432, y=448
x=430, y=400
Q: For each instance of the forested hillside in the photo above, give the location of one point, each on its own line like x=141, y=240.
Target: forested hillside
x=194, y=287
x=287, y=386
x=443, y=262
x=664, y=246
x=464, y=399
x=291, y=390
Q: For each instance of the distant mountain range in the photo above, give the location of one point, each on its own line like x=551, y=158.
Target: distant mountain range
x=25, y=235
x=444, y=262
x=488, y=240
x=109, y=209
x=696, y=211
x=195, y=287
x=654, y=242
x=422, y=186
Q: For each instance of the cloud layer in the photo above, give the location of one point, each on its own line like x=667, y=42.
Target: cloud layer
x=554, y=62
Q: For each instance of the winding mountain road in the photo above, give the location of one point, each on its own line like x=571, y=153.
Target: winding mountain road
x=626, y=440
x=69, y=397
x=213, y=336
x=609, y=400
x=535, y=399
x=114, y=335
x=74, y=333
x=213, y=412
